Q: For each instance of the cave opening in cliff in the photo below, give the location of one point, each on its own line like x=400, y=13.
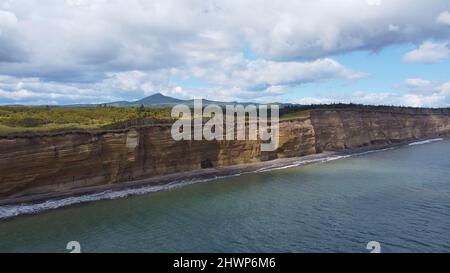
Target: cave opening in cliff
x=207, y=164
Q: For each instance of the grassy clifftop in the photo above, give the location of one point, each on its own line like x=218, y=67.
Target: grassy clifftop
x=49, y=119
x=16, y=120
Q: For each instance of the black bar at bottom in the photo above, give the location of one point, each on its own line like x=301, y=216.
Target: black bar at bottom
x=217, y=262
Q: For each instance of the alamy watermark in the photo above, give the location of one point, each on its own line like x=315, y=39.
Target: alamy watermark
x=228, y=122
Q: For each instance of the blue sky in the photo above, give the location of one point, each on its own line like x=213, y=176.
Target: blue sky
x=92, y=51
x=386, y=73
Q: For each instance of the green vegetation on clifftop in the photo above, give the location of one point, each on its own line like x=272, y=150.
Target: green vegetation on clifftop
x=50, y=119
x=17, y=120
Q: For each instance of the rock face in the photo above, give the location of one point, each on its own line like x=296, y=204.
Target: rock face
x=41, y=164
x=342, y=129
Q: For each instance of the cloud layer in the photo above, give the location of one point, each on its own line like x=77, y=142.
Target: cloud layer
x=416, y=92
x=92, y=51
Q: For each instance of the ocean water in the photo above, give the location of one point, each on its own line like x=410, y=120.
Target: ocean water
x=398, y=197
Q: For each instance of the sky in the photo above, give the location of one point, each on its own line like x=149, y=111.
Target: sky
x=396, y=52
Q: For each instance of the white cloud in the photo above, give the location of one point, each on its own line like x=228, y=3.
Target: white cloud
x=428, y=87
x=428, y=52
x=270, y=94
x=134, y=47
x=382, y=98
x=260, y=74
x=444, y=18
x=139, y=35
x=314, y=100
x=8, y=20
x=374, y=2
x=417, y=82
x=393, y=28
x=305, y=29
x=360, y=97
x=230, y=79
x=77, y=3
x=262, y=80
x=419, y=86
x=35, y=91
x=417, y=93
x=8, y=43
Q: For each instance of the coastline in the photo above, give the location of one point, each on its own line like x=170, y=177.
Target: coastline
x=14, y=207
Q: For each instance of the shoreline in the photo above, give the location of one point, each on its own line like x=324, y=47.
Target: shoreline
x=49, y=201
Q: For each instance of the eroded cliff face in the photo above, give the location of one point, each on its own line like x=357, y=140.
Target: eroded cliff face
x=31, y=165
x=343, y=129
x=64, y=162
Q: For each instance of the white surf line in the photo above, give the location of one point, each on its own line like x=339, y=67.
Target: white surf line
x=320, y=160
x=333, y=158
x=425, y=141
x=24, y=209
x=16, y=210
x=300, y=163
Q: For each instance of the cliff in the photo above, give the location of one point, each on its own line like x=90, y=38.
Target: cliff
x=350, y=129
x=60, y=163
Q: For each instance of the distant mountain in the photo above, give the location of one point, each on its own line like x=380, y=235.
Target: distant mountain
x=153, y=100
x=160, y=100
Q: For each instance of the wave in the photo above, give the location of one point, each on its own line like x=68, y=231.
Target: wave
x=300, y=163
x=318, y=160
x=425, y=141
x=16, y=210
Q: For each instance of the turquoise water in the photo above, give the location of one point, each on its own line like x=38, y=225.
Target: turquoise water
x=400, y=198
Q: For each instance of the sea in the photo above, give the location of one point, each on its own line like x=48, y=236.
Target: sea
x=398, y=198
